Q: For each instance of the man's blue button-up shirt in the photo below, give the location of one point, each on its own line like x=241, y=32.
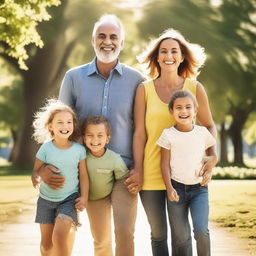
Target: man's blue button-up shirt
x=89, y=93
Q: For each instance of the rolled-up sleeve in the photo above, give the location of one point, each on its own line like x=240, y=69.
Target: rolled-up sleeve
x=66, y=94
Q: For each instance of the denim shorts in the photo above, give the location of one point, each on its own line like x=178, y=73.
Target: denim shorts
x=47, y=211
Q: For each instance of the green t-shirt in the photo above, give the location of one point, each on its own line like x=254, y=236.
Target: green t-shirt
x=103, y=171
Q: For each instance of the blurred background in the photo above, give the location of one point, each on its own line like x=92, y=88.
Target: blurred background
x=41, y=40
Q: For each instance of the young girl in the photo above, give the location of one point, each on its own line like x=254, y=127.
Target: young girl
x=105, y=167
x=183, y=149
x=55, y=126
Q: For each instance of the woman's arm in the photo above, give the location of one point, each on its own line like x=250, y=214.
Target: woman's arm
x=204, y=116
x=210, y=161
x=134, y=181
x=81, y=202
x=166, y=174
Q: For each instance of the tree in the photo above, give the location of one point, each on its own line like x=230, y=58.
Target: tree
x=236, y=26
x=18, y=26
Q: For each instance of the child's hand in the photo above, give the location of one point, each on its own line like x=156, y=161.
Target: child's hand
x=35, y=180
x=81, y=203
x=134, y=190
x=172, y=195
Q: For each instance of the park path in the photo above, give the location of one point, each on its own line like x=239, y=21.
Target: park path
x=20, y=237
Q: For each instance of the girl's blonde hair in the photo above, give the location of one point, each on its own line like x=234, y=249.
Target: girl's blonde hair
x=194, y=55
x=45, y=116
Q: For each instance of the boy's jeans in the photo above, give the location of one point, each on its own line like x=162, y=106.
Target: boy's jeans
x=195, y=199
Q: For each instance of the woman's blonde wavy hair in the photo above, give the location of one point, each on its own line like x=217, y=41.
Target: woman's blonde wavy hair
x=45, y=116
x=194, y=56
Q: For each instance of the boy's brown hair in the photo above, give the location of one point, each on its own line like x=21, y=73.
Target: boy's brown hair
x=96, y=119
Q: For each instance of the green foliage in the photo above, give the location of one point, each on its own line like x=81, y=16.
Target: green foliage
x=18, y=26
x=10, y=114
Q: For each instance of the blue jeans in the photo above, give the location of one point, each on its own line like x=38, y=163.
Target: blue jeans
x=154, y=203
x=193, y=198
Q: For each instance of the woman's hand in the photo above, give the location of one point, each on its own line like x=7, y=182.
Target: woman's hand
x=134, y=181
x=206, y=172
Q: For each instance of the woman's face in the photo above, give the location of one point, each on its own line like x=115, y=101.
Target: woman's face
x=169, y=55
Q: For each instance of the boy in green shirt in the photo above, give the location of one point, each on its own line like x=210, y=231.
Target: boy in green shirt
x=106, y=170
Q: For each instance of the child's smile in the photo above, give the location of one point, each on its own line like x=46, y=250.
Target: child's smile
x=184, y=113
x=96, y=138
x=62, y=125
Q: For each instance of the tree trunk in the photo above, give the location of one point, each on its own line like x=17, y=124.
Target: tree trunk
x=223, y=145
x=40, y=80
x=237, y=141
x=235, y=131
x=14, y=139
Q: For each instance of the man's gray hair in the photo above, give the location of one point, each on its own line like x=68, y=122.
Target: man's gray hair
x=110, y=18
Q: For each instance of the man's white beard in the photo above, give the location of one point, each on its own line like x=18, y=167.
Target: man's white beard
x=106, y=57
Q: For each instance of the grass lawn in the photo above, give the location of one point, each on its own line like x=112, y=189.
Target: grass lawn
x=233, y=206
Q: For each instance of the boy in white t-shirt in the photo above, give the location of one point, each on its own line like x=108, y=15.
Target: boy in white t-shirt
x=184, y=148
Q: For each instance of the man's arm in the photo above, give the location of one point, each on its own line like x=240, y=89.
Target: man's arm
x=66, y=93
x=50, y=176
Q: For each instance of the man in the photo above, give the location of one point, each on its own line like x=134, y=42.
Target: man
x=106, y=87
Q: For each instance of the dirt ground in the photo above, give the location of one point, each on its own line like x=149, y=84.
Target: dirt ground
x=20, y=236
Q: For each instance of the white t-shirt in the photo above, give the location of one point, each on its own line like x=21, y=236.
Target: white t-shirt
x=187, y=150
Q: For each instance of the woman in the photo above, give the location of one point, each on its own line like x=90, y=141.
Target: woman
x=173, y=64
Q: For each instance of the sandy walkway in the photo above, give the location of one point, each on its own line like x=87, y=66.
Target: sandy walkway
x=21, y=238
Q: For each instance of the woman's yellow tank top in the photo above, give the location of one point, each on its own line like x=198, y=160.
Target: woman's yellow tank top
x=158, y=118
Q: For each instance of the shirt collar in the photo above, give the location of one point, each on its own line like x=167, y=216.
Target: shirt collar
x=93, y=68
